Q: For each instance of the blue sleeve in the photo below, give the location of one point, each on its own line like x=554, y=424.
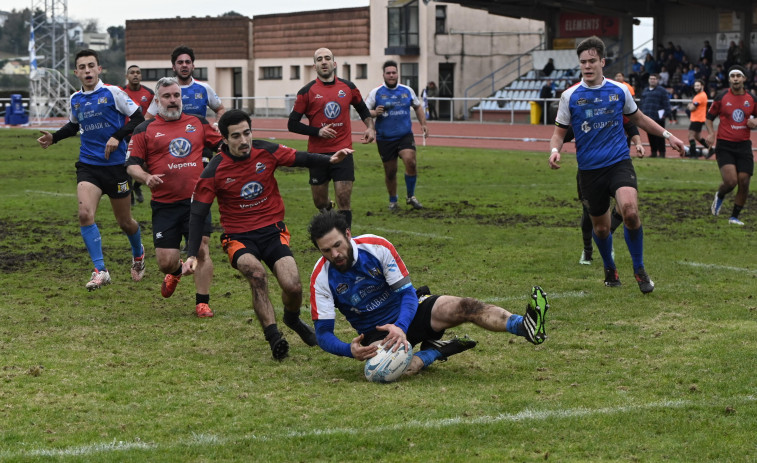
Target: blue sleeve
x=327, y=340
x=408, y=308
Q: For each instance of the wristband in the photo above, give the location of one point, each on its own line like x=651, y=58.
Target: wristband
x=555, y=150
x=666, y=134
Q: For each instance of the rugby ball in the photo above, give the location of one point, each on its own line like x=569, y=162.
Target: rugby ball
x=387, y=366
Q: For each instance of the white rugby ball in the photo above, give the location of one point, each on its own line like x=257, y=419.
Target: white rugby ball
x=387, y=366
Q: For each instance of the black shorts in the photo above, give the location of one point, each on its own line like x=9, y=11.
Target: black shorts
x=696, y=126
x=599, y=185
x=267, y=244
x=340, y=172
x=170, y=222
x=420, y=328
x=112, y=180
x=389, y=150
x=738, y=153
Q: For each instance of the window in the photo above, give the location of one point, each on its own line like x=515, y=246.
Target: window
x=294, y=72
x=200, y=74
x=441, y=19
x=361, y=71
x=154, y=75
x=402, y=38
x=409, y=75
x=270, y=73
x=346, y=72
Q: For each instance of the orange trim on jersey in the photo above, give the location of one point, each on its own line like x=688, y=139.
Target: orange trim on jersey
x=313, y=276
x=231, y=247
x=389, y=246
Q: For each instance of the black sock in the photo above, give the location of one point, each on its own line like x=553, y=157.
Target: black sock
x=271, y=332
x=703, y=142
x=692, y=148
x=736, y=211
x=348, y=216
x=291, y=317
x=202, y=298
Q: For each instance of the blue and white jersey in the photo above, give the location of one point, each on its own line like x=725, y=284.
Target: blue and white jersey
x=196, y=98
x=100, y=113
x=596, y=115
x=368, y=294
x=395, y=122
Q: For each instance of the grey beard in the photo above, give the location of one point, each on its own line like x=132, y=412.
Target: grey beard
x=169, y=115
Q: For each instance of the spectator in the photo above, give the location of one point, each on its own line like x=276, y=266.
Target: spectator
x=548, y=68
x=688, y=81
x=676, y=80
x=732, y=56
x=679, y=54
x=431, y=93
x=636, y=70
x=664, y=76
x=706, y=69
x=718, y=81
x=706, y=52
x=655, y=104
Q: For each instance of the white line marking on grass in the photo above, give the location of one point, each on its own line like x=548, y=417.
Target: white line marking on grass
x=717, y=267
x=210, y=440
x=426, y=235
x=51, y=193
x=567, y=294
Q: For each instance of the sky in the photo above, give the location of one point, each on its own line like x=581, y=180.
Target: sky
x=116, y=14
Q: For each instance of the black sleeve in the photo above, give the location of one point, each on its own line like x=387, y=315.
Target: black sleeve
x=134, y=120
x=68, y=130
x=304, y=159
x=631, y=129
x=295, y=125
x=197, y=214
x=363, y=111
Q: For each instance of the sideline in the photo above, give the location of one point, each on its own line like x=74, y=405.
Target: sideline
x=212, y=440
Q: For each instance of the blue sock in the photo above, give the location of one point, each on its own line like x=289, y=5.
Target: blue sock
x=393, y=199
x=428, y=356
x=605, y=249
x=515, y=325
x=410, y=184
x=91, y=236
x=635, y=243
x=136, y=243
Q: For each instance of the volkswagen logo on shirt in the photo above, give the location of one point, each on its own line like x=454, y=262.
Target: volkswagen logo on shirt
x=738, y=116
x=252, y=190
x=332, y=110
x=180, y=147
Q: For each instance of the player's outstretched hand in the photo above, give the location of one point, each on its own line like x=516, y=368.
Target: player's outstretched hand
x=554, y=160
x=677, y=145
x=369, y=135
x=45, y=140
x=189, y=266
x=340, y=155
x=360, y=352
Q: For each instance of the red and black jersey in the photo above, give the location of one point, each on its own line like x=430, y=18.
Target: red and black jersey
x=247, y=191
x=142, y=97
x=734, y=112
x=174, y=149
x=326, y=103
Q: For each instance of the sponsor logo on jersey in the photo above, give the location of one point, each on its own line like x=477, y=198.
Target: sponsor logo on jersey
x=229, y=180
x=728, y=103
x=355, y=299
x=613, y=97
x=341, y=94
x=199, y=96
x=122, y=187
x=746, y=103
x=159, y=235
x=342, y=288
x=159, y=134
x=332, y=110
x=738, y=116
x=317, y=96
x=597, y=100
x=588, y=112
x=259, y=167
x=190, y=128
x=102, y=100
x=585, y=127
x=251, y=190
x=144, y=98
x=180, y=147
x=76, y=105
x=375, y=272
x=582, y=101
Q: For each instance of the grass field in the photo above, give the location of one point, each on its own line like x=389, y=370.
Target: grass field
x=122, y=374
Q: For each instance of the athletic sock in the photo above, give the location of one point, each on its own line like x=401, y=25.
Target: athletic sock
x=428, y=356
x=348, y=216
x=291, y=317
x=202, y=298
x=635, y=243
x=515, y=325
x=92, y=240
x=692, y=147
x=393, y=199
x=271, y=332
x=604, y=246
x=703, y=142
x=736, y=211
x=410, y=184
x=136, y=243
